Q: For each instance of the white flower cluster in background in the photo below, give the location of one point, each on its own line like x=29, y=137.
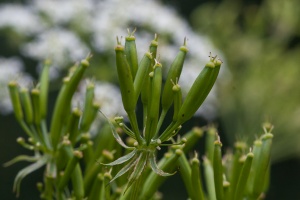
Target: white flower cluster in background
x=11, y=69
x=67, y=30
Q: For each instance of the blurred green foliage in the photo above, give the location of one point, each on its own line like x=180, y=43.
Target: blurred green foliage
x=261, y=45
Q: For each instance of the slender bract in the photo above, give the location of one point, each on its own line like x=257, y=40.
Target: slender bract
x=131, y=53
x=153, y=181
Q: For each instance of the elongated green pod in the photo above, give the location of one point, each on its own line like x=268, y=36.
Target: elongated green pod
x=153, y=110
x=64, y=154
x=196, y=179
x=153, y=48
x=27, y=105
x=177, y=100
x=69, y=169
x=35, y=95
x=240, y=188
x=257, y=145
x=192, y=138
x=263, y=160
x=131, y=53
x=173, y=74
x=73, y=124
x=198, y=93
x=15, y=99
x=145, y=92
x=211, y=136
x=64, y=100
x=95, y=192
x=209, y=179
x=92, y=172
x=185, y=172
x=88, y=114
x=218, y=170
x=141, y=74
x=127, y=88
x=154, y=181
x=44, y=87
x=237, y=165
x=77, y=182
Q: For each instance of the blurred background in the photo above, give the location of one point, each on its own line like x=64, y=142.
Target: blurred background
x=259, y=42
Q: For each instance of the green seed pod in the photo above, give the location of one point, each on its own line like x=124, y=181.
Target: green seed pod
x=94, y=169
x=69, y=169
x=255, y=165
x=72, y=125
x=237, y=165
x=44, y=87
x=64, y=101
x=192, y=138
x=177, y=100
x=153, y=49
x=218, y=170
x=209, y=142
x=240, y=188
x=131, y=53
x=153, y=110
x=173, y=74
x=145, y=92
x=95, y=192
x=35, y=95
x=185, y=172
x=27, y=105
x=15, y=99
x=196, y=178
x=263, y=160
x=77, y=182
x=88, y=107
x=197, y=94
x=141, y=74
x=127, y=88
x=209, y=179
